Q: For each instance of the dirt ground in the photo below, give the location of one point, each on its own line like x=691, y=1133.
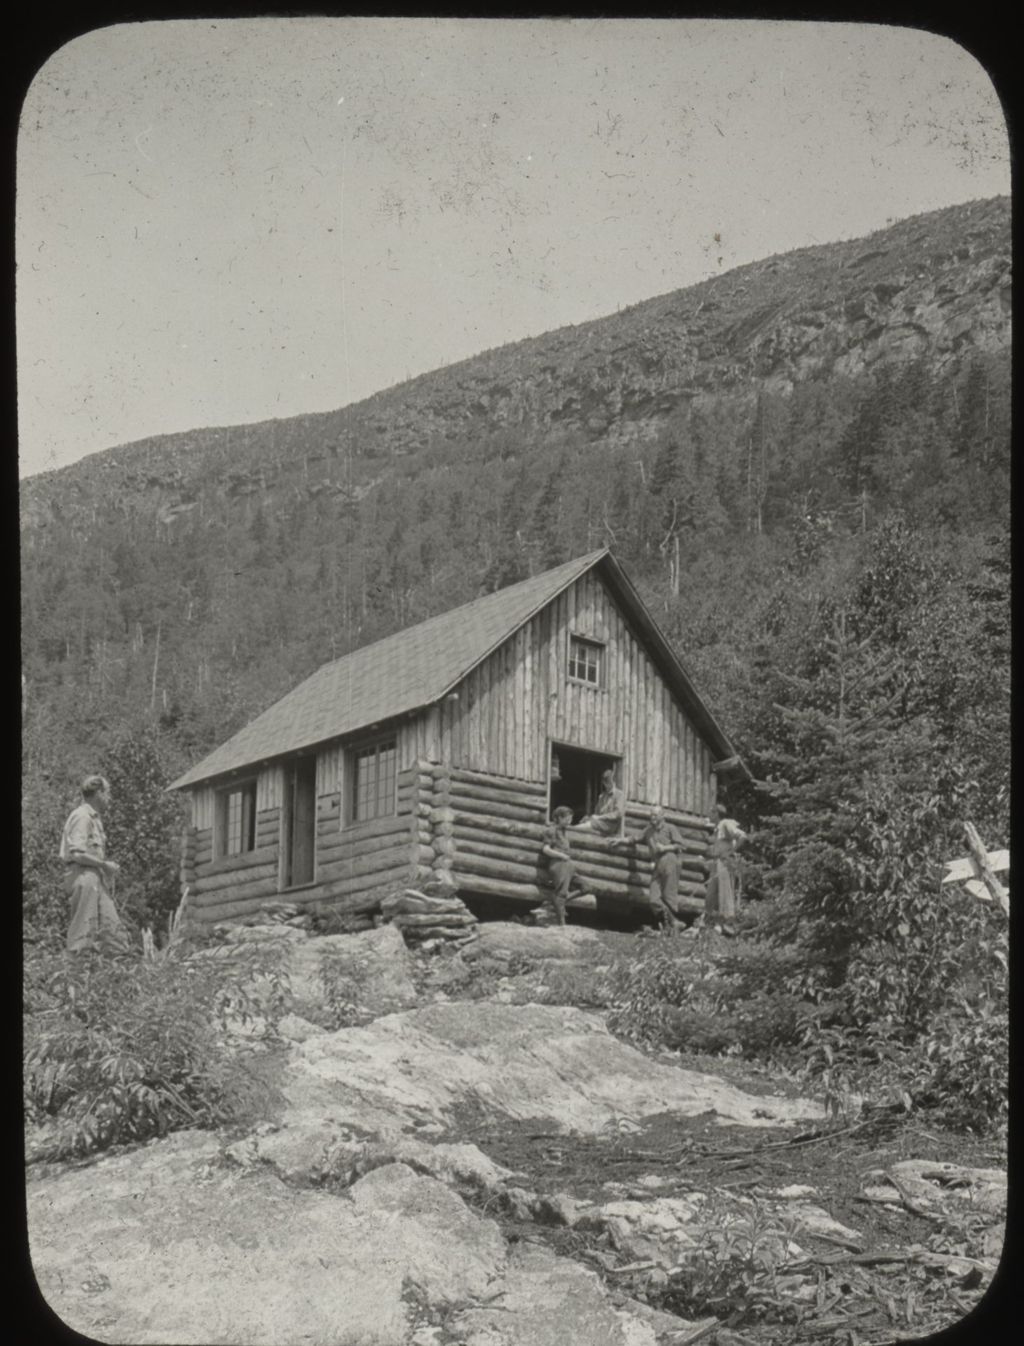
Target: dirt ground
x=905, y=1269
x=912, y=1271
x=871, y=1290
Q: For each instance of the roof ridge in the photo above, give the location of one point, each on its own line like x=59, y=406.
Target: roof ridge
x=590, y=558
x=415, y=665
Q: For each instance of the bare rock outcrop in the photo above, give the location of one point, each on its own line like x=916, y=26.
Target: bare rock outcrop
x=171, y=1246
x=525, y=1061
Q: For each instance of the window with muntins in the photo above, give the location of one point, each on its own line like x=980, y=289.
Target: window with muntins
x=586, y=658
x=374, y=788
x=236, y=819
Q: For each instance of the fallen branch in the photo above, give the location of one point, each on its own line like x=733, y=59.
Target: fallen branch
x=632, y=1266
x=835, y=1324
x=805, y=1138
x=689, y=1336
x=831, y=1238
x=913, y=1206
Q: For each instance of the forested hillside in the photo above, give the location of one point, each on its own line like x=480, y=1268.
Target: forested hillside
x=816, y=443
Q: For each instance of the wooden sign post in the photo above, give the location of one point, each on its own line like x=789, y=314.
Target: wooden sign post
x=978, y=871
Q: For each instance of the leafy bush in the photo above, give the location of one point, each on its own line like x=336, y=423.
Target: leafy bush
x=588, y=986
x=964, y=1054
x=731, y=1272
x=341, y=983
x=121, y=1048
x=712, y=1001
x=964, y=1074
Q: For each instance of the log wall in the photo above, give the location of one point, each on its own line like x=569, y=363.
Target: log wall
x=521, y=698
x=356, y=865
x=485, y=833
x=478, y=819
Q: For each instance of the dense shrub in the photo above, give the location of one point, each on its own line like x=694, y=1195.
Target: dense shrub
x=143, y=826
x=712, y=999
x=121, y=1048
x=964, y=1071
x=342, y=982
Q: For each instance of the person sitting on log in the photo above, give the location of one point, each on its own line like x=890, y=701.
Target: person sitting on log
x=665, y=843
x=608, y=819
x=556, y=861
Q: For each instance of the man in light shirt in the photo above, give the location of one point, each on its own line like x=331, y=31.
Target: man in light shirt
x=89, y=875
x=607, y=818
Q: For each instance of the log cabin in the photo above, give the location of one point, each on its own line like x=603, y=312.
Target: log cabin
x=438, y=754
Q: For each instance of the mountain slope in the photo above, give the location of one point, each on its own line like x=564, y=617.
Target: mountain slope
x=934, y=288
x=813, y=435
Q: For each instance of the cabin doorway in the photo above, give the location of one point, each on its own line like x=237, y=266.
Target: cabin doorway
x=299, y=815
x=574, y=778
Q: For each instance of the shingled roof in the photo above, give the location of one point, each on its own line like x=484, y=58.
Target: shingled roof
x=416, y=667
x=403, y=672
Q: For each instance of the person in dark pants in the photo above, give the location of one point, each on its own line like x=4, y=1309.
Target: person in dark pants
x=556, y=860
x=664, y=843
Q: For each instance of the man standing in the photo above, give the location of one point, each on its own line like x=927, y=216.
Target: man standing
x=664, y=843
x=607, y=818
x=88, y=874
x=557, y=861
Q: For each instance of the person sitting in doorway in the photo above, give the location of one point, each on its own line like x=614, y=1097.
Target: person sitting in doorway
x=608, y=819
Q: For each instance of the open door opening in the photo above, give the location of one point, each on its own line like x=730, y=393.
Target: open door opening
x=299, y=853
x=575, y=778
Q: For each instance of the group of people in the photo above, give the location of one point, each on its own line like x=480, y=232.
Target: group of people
x=664, y=844
x=89, y=877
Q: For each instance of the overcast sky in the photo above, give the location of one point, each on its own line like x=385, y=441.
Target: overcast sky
x=222, y=222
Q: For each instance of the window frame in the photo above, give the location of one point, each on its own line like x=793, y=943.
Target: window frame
x=350, y=817
x=599, y=647
x=222, y=794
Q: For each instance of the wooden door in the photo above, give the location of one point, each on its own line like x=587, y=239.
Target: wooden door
x=300, y=815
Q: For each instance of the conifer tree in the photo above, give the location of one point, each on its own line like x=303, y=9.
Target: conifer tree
x=143, y=826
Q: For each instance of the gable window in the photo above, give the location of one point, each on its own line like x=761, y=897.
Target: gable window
x=586, y=661
x=234, y=826
x=375, y=780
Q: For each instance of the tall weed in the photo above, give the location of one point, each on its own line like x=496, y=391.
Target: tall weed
x=121, y=1048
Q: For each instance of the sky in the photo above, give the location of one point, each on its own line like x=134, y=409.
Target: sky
x=221, y=222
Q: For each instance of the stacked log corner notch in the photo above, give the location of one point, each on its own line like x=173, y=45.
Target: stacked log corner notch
x=485, y=833
x=434, y=836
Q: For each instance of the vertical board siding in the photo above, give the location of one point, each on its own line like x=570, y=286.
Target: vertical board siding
x=270, y=788
x=202, y=808
x=329, y=769
x=520, y=697
x=407, y=735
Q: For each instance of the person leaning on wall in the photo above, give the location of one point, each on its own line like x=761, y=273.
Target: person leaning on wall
x=556, y=860
x=89, y=876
